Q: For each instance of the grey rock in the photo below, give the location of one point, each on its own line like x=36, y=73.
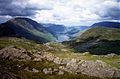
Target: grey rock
x=65, y=61
x=57, y=60
x=72, y=65
x=110, y=55
x=55, y=70
x=101, y=63
x=80, y=62
x=46, y=71
x=64, y=50
x=60, y=73
x=50, y=69
x=117, y=73
x=37, y=57
x=50, y=57
x=95, y=69
x=12, y=52
x=86, y=53
x=27, y=69
x=35, y=70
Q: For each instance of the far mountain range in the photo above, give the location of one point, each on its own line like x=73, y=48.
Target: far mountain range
x=30, y=29
x=98, y=38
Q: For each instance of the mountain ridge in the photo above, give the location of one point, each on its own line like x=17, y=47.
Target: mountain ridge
x=98, y=40
x=107, y=24
x=25, y=27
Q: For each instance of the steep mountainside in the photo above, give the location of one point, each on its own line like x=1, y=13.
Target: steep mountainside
x=98, y=40
x=55, y=28
x=27, y=28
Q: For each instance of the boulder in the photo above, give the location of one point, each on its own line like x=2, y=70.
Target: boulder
x=50, y=57
x=72, y=65
x=35, y=70
x=46, y=71
x=12, y=52
x=55, y=70
x=65, y=61
x=97, y=69
x=86, y=53
x=60, y=72
x=117, y=73
x=37, y=57
x=57, y=60
x=111, y=55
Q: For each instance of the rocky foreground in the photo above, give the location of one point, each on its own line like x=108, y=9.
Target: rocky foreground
x=96, y=68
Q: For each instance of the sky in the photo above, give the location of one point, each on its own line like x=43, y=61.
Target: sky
x=66, y=12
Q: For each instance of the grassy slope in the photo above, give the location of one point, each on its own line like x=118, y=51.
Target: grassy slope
x=98, y=40
x=113, y=61
x=103, y=32
x=32, y=46
x=69, y=53
x=58, y=50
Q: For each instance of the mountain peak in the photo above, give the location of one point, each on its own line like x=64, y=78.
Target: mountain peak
x=27, y=28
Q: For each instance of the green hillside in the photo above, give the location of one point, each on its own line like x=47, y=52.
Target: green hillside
x=98, y=40
x=18, y=67
x=27, y=28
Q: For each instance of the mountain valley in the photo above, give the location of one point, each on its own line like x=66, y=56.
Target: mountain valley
x=31, y=50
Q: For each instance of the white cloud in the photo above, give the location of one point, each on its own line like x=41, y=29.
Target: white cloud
x=71, y=11
x=4, y=18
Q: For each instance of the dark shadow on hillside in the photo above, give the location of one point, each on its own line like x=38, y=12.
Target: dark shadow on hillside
x=97, y=47
x=105, y=47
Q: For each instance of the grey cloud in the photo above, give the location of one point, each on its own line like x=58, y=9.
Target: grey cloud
x=22, y=8
x=111, y=13
x=8, y=8
x=114, y=13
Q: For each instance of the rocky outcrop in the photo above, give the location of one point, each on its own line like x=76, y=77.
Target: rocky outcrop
x=47, y=71
x=96, y=68
x=11, y=52
x=33, y=70
x=37, y=57
x=51, y=71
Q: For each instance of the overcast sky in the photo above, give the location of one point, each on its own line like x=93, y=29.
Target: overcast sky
x=67, y=12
